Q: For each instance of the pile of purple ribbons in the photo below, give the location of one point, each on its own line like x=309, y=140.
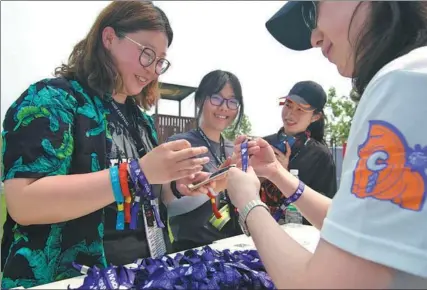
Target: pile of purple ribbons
x=201, y=269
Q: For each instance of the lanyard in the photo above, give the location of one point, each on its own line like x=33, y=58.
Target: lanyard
x=144, y=190
x=219, y=161
x=131, y=129
x=245, y=156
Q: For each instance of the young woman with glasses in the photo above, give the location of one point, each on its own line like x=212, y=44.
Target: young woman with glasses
x=373, y=231
x=63, y=140
x=192, y=220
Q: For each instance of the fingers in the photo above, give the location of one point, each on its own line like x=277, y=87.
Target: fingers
x=186, y=172
x=189, y=153
x=194, y=178
x=250, y=170
x=288, y=150
x=233, y=172
x=226, y=163
x=278, y=152
x=184, y=190
x=240, y=139
x=177, y=145
x=191, y=163
x=252, y=147
x=262, y=143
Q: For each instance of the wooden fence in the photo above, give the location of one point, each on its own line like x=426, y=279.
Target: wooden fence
x=167, y=125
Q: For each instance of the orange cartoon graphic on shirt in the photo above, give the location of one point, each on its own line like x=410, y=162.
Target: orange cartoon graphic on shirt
x=389, y=170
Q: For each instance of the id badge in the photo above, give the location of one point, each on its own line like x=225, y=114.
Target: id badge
x=225, y=218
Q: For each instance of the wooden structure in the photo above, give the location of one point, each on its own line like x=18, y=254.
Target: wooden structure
x=168, y=125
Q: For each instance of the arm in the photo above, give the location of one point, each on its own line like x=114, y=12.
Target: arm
x=371, y=237
x=293, y=267
x=288, y=263
x=167, y=195
x=312, y=205
x=57, y=198
x=38, y=146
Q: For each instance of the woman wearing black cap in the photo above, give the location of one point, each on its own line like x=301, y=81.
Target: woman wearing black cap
x=300, y=146
x=373, y=232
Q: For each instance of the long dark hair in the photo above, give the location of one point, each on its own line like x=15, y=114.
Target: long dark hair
x=91, y=64
x=213, y=83
x=393, y=29
x=317, y=128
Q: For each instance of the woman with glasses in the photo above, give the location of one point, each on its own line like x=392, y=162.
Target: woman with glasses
x=372, y=233
x=64, y=140
x=192, y=220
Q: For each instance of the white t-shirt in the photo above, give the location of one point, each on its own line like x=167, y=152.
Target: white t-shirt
x=380, y=210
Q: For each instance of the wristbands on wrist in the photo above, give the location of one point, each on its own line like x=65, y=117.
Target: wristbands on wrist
x=285, y=202
x=296, y=195
x=118, y=196
x=123, y=174
x=139, y=178
x=175, y=191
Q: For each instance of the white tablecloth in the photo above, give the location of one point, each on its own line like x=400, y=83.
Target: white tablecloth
x=307, y=236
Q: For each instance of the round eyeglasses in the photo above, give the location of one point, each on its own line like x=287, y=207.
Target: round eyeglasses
x=217, y=100
x=148, y=56
x=309, y=14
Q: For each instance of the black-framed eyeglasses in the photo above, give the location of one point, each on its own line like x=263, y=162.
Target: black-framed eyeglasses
x=309, y=14
x=148, y=56
x=217, y=100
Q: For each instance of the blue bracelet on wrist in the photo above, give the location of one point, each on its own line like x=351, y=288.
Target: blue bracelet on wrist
x=118, y=196
x=296, y=195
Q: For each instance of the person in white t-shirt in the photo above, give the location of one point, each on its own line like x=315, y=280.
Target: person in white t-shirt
x=373, y=232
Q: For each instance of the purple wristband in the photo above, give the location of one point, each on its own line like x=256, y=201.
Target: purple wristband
x=296, y=195
x=138, y=175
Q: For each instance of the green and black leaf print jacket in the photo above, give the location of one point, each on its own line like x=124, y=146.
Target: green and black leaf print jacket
x=56, y=127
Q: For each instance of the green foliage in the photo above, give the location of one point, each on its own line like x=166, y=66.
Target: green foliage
x=339, y=112
x=245, y=128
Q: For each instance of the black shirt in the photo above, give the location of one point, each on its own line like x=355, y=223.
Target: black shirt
x=193, y=229
x=124, y=247
x=316, y=168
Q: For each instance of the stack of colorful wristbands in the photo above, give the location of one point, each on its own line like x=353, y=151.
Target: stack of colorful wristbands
x=127, y=211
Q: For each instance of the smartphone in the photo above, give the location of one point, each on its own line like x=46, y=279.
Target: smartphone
x=214, y=176
x=281, y=143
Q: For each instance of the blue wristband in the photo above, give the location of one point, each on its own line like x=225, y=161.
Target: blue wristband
x=118, y=196
x=297, y=194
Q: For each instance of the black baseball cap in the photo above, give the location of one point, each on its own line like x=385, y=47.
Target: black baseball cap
x=309, y=95
x=290, y=25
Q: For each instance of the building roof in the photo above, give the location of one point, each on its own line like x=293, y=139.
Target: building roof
x=175, y=92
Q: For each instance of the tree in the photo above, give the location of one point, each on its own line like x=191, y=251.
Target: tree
x=339, y=112
x=245, y=128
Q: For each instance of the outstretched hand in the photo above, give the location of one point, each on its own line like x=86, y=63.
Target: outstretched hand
x=262, y=157
x=242, y=187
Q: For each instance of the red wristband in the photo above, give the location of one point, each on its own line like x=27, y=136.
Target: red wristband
x=123, y=174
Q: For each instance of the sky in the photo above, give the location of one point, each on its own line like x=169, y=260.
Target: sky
x=228, y=35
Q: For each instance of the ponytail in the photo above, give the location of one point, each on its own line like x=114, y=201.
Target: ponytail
x=317, y=128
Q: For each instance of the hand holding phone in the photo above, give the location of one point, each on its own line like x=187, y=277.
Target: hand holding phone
x=213, y=177
x=281, y=143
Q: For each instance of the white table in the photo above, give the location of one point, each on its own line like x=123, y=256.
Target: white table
x=307, y=236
